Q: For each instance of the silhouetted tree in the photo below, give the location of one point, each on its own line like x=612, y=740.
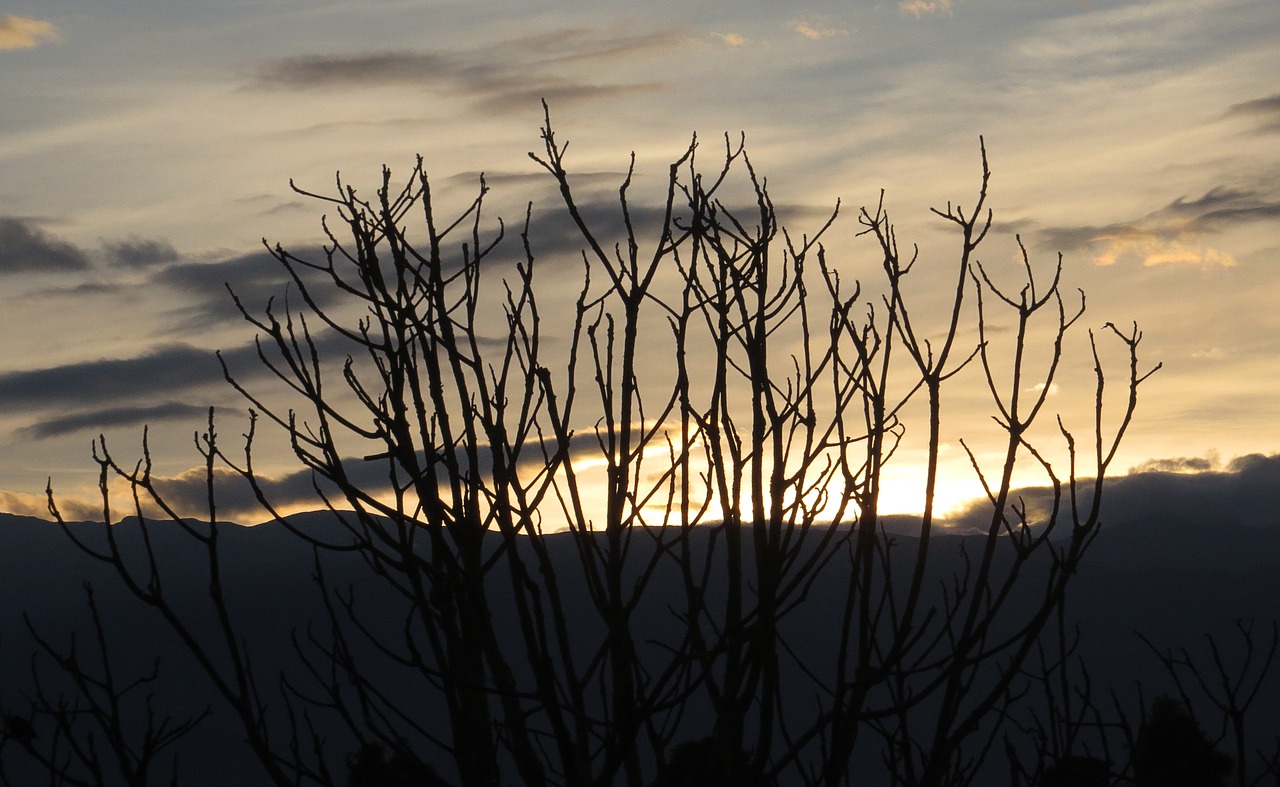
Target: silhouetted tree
x=737, y=476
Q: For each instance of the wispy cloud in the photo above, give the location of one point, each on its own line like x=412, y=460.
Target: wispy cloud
x=25, y=247
x=498, y=77
x=731, y=39
x=254, y=277
x=1174, y=233
x=1154, y=250
x=1263, y=111
x=1222, y=206
x=922, y=8
x=97, y=420
x=188, y=491
x=101, y=382
x=138, y=252
x=816, y=28
x=20, y=32
x=373, y=68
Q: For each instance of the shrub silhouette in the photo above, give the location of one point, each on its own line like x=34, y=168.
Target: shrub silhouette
x=1077, y=771
x=1173, y=751
x=705, y=762
x=369, y=767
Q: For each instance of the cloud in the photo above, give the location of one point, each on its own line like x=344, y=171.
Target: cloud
x=1223, y=206
x=72, y=509
x=375, y=68
x=1172, y=234
x=25, y=247
x=169, y=382
x=605, y=178
x=520, y=97
x=188, y=493
x=254, y=277
x=555, y=238
x=579, y=44
x=922, y=8
x=20, y=32
x=1177, y=493
x=1153, y=251
x=97, y=420
x=1265, y=111
x=1177, y=464
x=498, y=77
x=136, y=252
x=816, y=29
x=95, y=383
x=731, y=39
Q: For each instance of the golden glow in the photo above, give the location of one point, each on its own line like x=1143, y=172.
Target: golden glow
x=922, y=8
x=20, y=32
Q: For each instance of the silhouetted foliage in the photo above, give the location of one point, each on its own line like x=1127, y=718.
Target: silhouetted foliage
x=369, y=767
x=1077, y=771
x=1173, y=751
x=706, y=762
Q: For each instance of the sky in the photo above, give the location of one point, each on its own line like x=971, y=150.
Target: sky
x=147, y=147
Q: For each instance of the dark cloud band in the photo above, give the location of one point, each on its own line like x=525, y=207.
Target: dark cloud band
x=24, y=247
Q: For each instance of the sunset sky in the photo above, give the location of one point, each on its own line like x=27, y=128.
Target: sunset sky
x=146, y=148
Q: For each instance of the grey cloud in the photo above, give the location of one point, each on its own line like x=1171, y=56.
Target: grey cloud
x=1177, y=464
x=123, y=391
x=87, y=288
x=553, y=233
x=375, y=125
x=272, y=204
x=203, y=285
x=136, y=252
x=499, y=77
x=1213, y=199
x=365, y=69
x=1176, y=495
x=114, y=416
x=536, y=178
x=284, y=207
x=188, y=492
x=236, y=498
x=1264, y=111
x=1222, y=206
x=1219, y=208
x=169, y=368
x=1080, y=236
x=26, y=247
x=524, y=94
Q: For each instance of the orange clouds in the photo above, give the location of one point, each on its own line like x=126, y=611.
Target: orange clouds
x=815, y=29
x=20, y=32
x=731, y=39
x=922, y=8
x=1156, y=248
